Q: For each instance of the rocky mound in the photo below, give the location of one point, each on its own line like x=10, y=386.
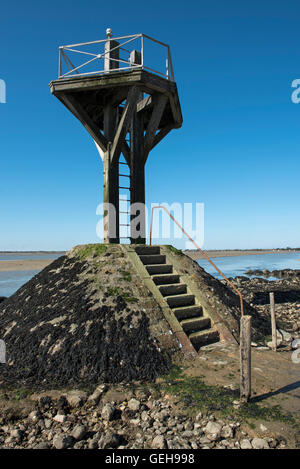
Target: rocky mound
x=85, y=318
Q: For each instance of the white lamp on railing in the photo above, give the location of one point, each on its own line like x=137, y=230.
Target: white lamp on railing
x=109, y=33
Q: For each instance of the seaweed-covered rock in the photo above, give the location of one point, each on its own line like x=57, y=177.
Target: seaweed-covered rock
x=85, y=318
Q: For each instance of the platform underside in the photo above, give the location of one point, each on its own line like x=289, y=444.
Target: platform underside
x=93, y=93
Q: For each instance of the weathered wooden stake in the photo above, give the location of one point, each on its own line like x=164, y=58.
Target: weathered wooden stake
x=245, y=358
x=273, y=322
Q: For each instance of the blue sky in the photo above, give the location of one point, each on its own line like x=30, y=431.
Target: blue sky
x=237, y=152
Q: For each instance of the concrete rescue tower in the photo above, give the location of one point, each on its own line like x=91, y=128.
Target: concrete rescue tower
x=127, y=107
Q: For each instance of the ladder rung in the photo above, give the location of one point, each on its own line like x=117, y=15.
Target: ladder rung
x=124, y=212
x=121, y=162
x=121, y=187
x=125, y=175
x=124, y=224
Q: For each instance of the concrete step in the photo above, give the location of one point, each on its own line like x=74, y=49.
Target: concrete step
x=159, y=269
x=173, y=289
x=206, y=337
x=180, y=300
x=166, y=279
x=195, y=324
x=146, y=250
x=188, y=312
x=153, y=259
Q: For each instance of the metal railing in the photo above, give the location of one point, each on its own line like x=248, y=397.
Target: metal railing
x=95, y=52
x=200, y=250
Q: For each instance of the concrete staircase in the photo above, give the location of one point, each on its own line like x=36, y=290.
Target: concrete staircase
x=181, y=302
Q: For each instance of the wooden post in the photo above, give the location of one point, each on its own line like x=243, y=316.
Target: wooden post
x=137, y=179
x=273, y=322
x=111, y=199
x=111, y=58
x=111, y=180
x=245, y=358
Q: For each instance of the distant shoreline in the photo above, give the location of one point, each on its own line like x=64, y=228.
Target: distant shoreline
x=236, y=252
x=39, y=264
x=24, y=265
x=38, y=253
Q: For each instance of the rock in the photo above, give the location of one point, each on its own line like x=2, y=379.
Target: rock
x=92, y=444
x=259, y=443
x=62, y=441
x=213, y=428
x=159, y=442
x=286, y=336
x=76, y=398
x=95, y=397
x=16, y=434
x=60, y=418
x=135, y=422
x=42, y=445
x=109, y=440
x=245, y=444
x=79, y=445
x=116, y=396
x=226, y=432
x=79, y=432
x=34, y=416
x=48, y=423
x=263, y=428
x=2, y=298
x=134, y=404
x=108, y=412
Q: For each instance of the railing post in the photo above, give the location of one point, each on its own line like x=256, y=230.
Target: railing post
x=59, y=63
x=142, y=51
x=111, y=53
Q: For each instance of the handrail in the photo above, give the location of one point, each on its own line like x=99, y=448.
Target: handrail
x=121, y=64
x=199, y=249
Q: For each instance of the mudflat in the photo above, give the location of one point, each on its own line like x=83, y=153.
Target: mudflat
x=31, y=264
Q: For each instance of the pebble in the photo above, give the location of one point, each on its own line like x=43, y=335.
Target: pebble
x=61, y=441
x=110, y=425
x=259, y=443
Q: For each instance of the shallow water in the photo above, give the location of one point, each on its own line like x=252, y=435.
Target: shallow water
x=238, y=265
x=10, y=282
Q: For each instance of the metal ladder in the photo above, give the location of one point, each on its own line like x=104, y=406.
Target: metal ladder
x=124, y=214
